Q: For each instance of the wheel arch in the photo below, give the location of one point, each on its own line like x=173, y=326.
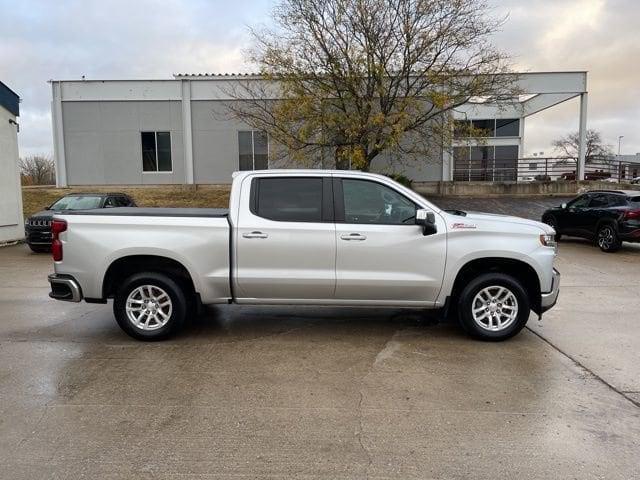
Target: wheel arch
x=518, y=269
x=548, y=215
x=605, y=221
x=128, y=265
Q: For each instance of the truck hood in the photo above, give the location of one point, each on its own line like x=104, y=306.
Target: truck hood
x=474, y=219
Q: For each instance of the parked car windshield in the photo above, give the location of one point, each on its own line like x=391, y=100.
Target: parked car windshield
x=77, y=202
x=635, y=202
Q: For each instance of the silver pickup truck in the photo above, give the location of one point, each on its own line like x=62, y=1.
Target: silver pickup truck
x=311, y=237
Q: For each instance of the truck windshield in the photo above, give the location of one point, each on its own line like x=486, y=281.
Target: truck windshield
x=77, y=202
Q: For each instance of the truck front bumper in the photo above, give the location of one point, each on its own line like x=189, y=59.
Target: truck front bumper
x=64, y=287
x=548, y=300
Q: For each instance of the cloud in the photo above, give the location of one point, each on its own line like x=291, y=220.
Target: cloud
x=41, y=40
x=600, y=36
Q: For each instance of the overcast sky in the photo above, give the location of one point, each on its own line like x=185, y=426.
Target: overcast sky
x=42, y=40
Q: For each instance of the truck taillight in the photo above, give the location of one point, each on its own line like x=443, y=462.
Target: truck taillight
x=57, y=227
x=632, y=215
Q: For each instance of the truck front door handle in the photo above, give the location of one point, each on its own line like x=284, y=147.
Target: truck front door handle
x=255, y=234
x=353, y=236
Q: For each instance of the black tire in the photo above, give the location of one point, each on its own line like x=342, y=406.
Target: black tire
x=607, y=238
x=159, y=283
x=553, y=223
x=466, y=305
x=40, y=248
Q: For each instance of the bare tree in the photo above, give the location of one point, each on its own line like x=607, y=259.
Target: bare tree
x=595, y=147
x=37, y=170
x=360, y=77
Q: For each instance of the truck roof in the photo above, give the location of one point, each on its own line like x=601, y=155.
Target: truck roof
x=306, y=171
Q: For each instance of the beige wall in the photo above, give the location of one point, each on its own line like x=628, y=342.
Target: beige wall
x=103, y=144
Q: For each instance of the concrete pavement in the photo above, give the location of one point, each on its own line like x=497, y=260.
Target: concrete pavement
x=280, y=392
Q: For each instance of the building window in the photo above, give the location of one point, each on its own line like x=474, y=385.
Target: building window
x=506, y=163
x=489, y=128
x=156, y=151
x=481, y=163
x=461, y=128
x=253, y=149
x=485, y=128
x=507, y=127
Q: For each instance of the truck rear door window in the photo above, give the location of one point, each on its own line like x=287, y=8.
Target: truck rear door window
x=289, y=199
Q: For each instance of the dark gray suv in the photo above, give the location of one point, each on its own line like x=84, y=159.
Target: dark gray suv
x=37, y=227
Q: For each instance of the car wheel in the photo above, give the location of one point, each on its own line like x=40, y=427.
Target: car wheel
x=607, y=238
x=493, y=307
x=553, y=223
x=150, y=306
x=40, y=248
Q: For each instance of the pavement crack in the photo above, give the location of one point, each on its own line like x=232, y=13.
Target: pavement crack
x=360, y=434
x=388, y=349
x=622, y=393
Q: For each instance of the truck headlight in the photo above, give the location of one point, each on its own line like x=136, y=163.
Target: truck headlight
x=548, y=240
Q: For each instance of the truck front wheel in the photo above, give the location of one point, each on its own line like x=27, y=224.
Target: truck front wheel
x=150, y=306
x=493, y=307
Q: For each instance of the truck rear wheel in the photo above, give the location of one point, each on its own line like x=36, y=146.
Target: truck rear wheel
x=150, y=306
x=493, y=307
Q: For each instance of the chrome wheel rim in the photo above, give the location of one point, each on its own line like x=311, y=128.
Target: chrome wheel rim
x=606, y=238
x=149, y=307
x=494, y=308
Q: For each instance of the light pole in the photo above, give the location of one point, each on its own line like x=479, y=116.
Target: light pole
x=619, y=141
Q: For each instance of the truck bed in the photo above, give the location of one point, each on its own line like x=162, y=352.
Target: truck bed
x=154, y=212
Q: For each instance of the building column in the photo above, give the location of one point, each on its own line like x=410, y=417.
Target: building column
x=58, y=135
x=447, y=157
x=447, y=164
x=582, y=134
x=187, y=132
x=521, y=139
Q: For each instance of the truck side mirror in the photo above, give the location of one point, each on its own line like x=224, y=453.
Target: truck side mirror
x=427, y=219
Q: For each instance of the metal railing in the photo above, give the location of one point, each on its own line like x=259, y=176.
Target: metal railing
x=538, y=169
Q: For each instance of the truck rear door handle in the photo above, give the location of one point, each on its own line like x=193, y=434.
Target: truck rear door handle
x=255, y=234
x=353, y=236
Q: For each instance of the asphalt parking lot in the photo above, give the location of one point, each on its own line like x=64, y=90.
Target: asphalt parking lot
x=323, y=393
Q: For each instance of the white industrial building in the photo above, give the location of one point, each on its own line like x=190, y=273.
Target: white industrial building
x=177, y=131
x=11, y=220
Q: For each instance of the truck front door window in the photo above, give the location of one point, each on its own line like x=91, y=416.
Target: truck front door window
x=372, y=203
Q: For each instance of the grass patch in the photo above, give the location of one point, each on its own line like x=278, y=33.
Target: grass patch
x=35, y=199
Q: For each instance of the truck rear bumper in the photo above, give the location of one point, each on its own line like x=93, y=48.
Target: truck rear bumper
x=65, y=288
x=548, y=300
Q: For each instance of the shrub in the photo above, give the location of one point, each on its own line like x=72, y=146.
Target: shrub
x=401, y=179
